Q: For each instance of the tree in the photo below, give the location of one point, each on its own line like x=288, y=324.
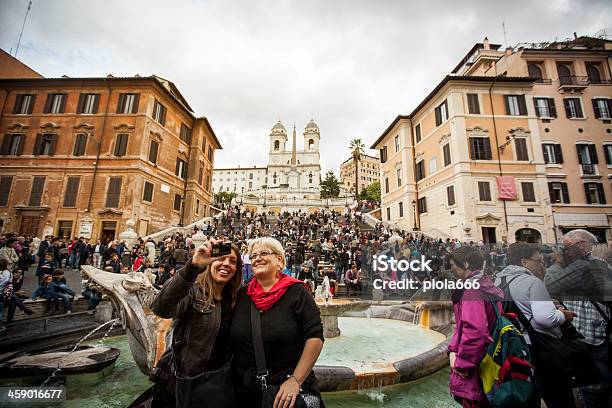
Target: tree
x=356, y=147
x=371, y=192
x=224, y=197
x=330, y=187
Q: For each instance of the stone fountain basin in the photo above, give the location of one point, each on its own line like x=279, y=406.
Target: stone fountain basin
x=380, y=346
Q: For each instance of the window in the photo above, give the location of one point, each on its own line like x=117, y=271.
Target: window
x=200, y=174
x=417, y=133
x=388, y=213
x=422, y=205
x=558, y=193
x=209, y=183
x=147, y=193
x=397, y=143
x=441, y=112
x=45, y=144
x=121, y=144
x=386, y=185
x=64, y=229
x=197, y=206
x=276, y=145
x=399, y=177
x=573, y=108
x=251, y=176
x=80, y=144
x=12, y=144
x=128, y=103
x=447, y=154
x=203, y=145
x=545, y=107
x=114, y=192
x=534, y=71
x=56, y=103
x=587, y=157
x=24, y=103
x=38, y=186
x=72, y=189
x=433, y=165
x=473, y=104
x=602, y=108
x=520, y=144
x=383, y=154
x=88, y=104
x=177, y=202
x=210, y=153
x=5, y=189
x=153, y=149
x=594, y=193
x=608, y=153
x=185, y=133
x=480, y=148
x=515, y=105
x=251, y=183
x=552, y=153
x=181, y=168
x=159, y=113
x=593, y=72
x=484, y=191
x=565, y=74
x=420, y=170
x=450, y=195
x=528, y=192
x=401, y=209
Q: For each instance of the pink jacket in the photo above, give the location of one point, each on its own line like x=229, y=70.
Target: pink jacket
x=474, y=318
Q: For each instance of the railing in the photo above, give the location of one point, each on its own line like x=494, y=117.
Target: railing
x=599, y=81
x=545, y=81
x=573, y=80
x=588, y=169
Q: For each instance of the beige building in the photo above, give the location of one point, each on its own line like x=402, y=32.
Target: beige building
x=572, y=99
x=488, y=156
x=81, y=156
x=369, y=171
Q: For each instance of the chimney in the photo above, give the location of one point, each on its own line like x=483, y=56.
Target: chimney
x=485, y=43
x=575, y=36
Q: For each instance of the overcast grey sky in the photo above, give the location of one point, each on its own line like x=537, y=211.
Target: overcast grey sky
x=353, y=65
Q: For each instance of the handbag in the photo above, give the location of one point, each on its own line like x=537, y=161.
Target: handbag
x=305, y=399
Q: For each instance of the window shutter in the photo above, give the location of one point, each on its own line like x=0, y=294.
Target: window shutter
x=6, y=140
x=600, y=193
x=63, y=103
x=81, y=103
x=177, y=167
x=522, y=105
x=38, y=185
x=487, y=147
x=552, y=108
x=48, y=103
x=71, y=192
x=163, y=115
x=153, y=151
x=550, y=192
x=507, y=103
x=135, y=104
x=438, y=116
x=565, y=193
x=96, y=103
x=21, y=144
x=595, y=109
x=120, y=103
x=535, y=105
x=593, y=154
x=53, y=145
x=114, y=191
x=18, y=100
x=586, y=193
x=606, y=154
x=481, y=196
x=37, y=144
x=32, y=102
x=568, y=112
x=578, y=149
x=609, y=102
x=558, y=153
x=545, y=153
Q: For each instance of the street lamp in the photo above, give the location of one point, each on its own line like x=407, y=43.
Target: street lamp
x=265, y=188
x=414, y=213
x=241, y=195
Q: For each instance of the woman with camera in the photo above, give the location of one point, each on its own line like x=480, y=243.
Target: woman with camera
x=200, y=298
x=276, y=335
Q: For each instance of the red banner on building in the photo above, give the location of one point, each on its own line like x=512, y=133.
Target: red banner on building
x=506, y=188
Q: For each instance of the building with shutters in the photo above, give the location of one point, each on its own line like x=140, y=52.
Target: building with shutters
x=510, y=146
x=81, y=156
x=369, y=171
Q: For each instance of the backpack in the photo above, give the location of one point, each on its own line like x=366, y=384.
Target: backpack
x=506, y=372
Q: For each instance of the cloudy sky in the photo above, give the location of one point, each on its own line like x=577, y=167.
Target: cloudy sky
x=352, y=65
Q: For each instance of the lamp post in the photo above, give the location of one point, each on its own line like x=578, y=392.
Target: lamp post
x=265, y=188
x=414, y=213
x=241, y=195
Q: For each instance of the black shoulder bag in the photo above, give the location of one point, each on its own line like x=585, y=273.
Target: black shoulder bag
x=303, y=400
x=567, y=359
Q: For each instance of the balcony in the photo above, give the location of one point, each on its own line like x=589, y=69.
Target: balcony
x=573, y=83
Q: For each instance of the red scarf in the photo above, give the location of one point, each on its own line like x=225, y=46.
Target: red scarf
x=265, y=300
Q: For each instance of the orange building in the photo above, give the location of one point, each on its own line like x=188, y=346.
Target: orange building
x=81, y=156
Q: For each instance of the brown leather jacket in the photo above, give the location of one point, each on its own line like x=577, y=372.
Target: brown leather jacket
x=195, y=327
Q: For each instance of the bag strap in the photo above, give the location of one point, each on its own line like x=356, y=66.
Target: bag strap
x=601, y=312
x=258, y=347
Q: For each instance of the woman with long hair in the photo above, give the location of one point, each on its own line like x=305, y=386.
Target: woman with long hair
x=276, y=315
x=200, y=298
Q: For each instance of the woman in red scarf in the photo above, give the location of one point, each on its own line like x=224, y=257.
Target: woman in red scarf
x=291, y=329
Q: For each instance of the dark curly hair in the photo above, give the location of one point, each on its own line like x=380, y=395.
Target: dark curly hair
x=473, y=256
x=519, y=251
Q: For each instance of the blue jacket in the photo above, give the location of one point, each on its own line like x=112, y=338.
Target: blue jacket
x=46, y=292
